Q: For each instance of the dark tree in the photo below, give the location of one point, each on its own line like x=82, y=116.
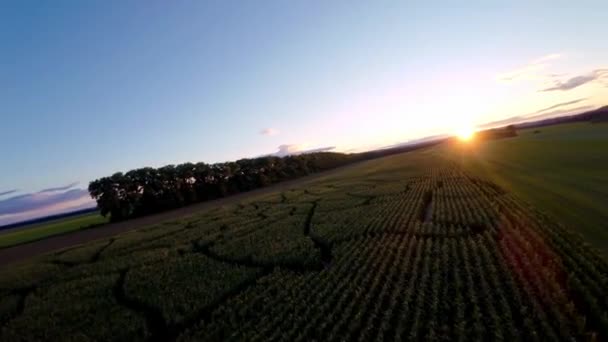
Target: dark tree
x=149, y=190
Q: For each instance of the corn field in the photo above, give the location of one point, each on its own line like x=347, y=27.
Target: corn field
x=430, y=254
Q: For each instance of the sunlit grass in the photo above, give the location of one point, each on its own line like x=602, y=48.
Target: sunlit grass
x=43, y=230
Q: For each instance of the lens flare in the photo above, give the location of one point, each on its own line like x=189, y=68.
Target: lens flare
x=465, y=133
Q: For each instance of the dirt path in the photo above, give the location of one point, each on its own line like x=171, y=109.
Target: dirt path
x=21, y=252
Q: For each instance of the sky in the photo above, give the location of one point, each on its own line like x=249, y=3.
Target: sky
x=88, y=88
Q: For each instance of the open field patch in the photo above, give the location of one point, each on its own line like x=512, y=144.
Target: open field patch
x=561, y=170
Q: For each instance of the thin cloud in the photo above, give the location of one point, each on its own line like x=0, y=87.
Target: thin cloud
x=39, y=200
x=547, y=58
x=504, y=122
x=8, y=192
x=44, y=203
x=320, y=149
x=295, y=149
x=538, y=115
x=269, y=131
x=53, y=209
x=600, y=75
x=530, y=70
x=559, y=105
x=560, y=112
x=60, y=188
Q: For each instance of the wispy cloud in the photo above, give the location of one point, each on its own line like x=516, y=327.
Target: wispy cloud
x=43, y=203
x=545, y=113
x=561, y=112
x=529, y=71
x=54, y=209
x=38, y=200
x=559, y=105
x=600, y=75
x=60, y=188
x=546, y=58
x=8, y=192
x=535, y=70
x=269, y=131
x=295, y=149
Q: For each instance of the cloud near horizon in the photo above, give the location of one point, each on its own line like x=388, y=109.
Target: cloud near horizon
x=60, y=188
x=559, y=105
x=8, y=192
x=538, y=115
x=269, y=131
x=295, y=149
x=600, y=75
x=44, y=203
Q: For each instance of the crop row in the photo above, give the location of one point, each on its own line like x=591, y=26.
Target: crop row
x=401, y=287
x=437, y=256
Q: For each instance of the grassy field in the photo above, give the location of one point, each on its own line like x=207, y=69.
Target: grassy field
x=407, y=247
x=44, y=230
x=562, y=170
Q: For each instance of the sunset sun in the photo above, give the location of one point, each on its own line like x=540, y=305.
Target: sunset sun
x=465, y=133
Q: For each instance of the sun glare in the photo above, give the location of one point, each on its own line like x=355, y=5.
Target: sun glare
x=465, y=133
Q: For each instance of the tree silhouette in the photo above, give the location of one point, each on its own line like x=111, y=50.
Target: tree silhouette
x=149, y=190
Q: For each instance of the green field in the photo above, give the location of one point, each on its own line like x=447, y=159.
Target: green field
x=17, y=236
x=562, y=170
x=406, y=247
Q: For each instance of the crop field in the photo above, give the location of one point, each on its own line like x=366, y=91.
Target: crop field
x=40, y=231
x=407, y=247
x=562, y=170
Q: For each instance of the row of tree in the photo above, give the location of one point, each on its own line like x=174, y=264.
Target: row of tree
x=150, y=190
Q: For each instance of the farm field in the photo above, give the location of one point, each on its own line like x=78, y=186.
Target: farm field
x=406, y=247
x=561, y=170
x=40, y=231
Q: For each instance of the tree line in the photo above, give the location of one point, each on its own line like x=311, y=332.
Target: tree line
x=150, y=190
x=497, y=133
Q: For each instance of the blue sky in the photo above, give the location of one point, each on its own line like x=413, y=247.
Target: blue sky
x=88, y=88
